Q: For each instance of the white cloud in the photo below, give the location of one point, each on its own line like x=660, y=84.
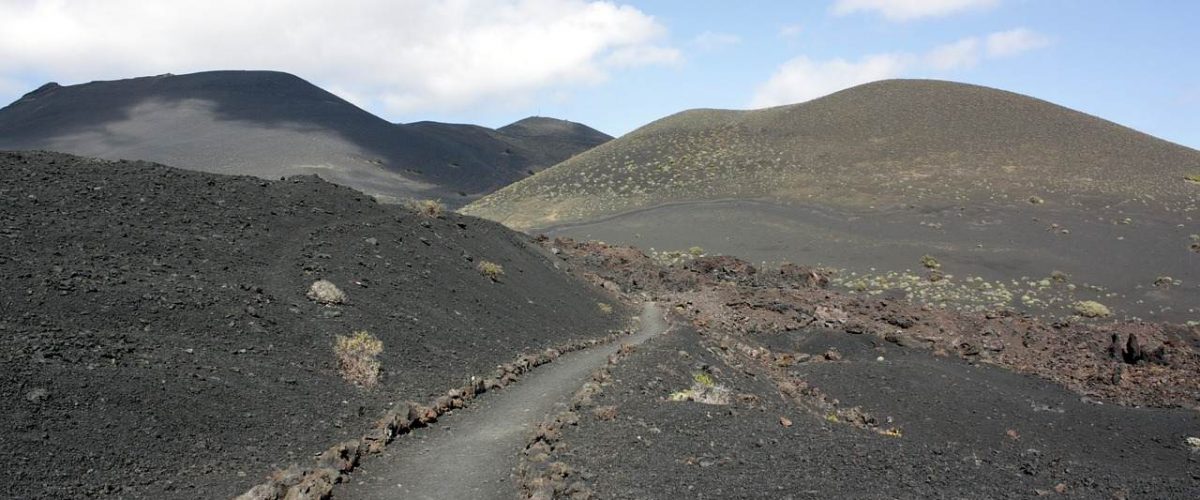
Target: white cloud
x=711, y=40
x=642, y=55
x=1015, y=41
x=961, y=54
x=408, y=55
x=791, y=30
x=801, y=79
x=907, y=10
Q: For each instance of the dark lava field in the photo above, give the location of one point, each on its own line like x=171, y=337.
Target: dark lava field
x=156, y=340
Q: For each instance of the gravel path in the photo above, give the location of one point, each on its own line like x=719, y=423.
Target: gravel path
x=472, y=454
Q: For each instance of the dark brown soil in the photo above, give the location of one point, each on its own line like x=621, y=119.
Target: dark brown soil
x=727, y=295
x=835, y=396
x=156, y=342
x=1119, y=261
x=961, y=431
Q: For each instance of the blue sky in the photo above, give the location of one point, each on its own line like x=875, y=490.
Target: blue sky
x=620, y=65
x=1123, y=61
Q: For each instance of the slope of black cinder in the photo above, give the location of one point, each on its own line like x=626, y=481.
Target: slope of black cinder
x=155, y=340
x=271, y=124
x=955, y=420
x=552, y=140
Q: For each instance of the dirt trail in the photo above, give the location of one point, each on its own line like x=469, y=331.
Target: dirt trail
x=472, y=453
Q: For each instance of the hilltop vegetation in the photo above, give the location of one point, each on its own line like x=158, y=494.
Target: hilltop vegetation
x=895, y=142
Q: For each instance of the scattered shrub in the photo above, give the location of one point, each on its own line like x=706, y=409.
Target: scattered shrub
x=604, y=308
x=930, y=262
x=605, y=413
x=696, y=251
x=1192, y=178
x=1059, y=276
x=491, y=270
x=1092, y=309
x=1036, y=200
x=356, y=356
x=704, y=390
x=1164, y=281
x=428, y=208
x=325, y=292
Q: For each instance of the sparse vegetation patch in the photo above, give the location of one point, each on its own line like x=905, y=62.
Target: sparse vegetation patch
x=428, y=208
x=491, y=270
x=1092, y=309
x=704, y=390
x=325, y=292
x=356, y=356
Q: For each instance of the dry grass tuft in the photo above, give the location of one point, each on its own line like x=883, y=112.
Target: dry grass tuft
x=428, y=208
x=356, y=356
x=1092, y=309
x=705, y=389
x=325, y=292
x=491, y=270
x=605, y=413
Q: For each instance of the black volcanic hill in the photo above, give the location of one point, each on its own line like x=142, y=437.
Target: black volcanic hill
x=271, y=124
x=894, y=142
x=552, y=139
x=156, y=340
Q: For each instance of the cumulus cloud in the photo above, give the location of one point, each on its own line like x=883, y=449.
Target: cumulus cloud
x=710, y=40
x=791, y=30
x=961, y=54
x=801, y=79
x=907, y=10
x=405, y=55
x=969, y=51
x=1015, y=41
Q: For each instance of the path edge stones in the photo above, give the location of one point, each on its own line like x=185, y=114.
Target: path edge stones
x=316, y=481
x=539, y=475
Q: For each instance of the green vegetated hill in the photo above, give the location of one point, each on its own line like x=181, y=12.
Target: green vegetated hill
x=272, y=124
x=892, y=142
x=1006, y=193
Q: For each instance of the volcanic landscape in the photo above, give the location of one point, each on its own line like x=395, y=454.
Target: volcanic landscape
x=234, y=284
